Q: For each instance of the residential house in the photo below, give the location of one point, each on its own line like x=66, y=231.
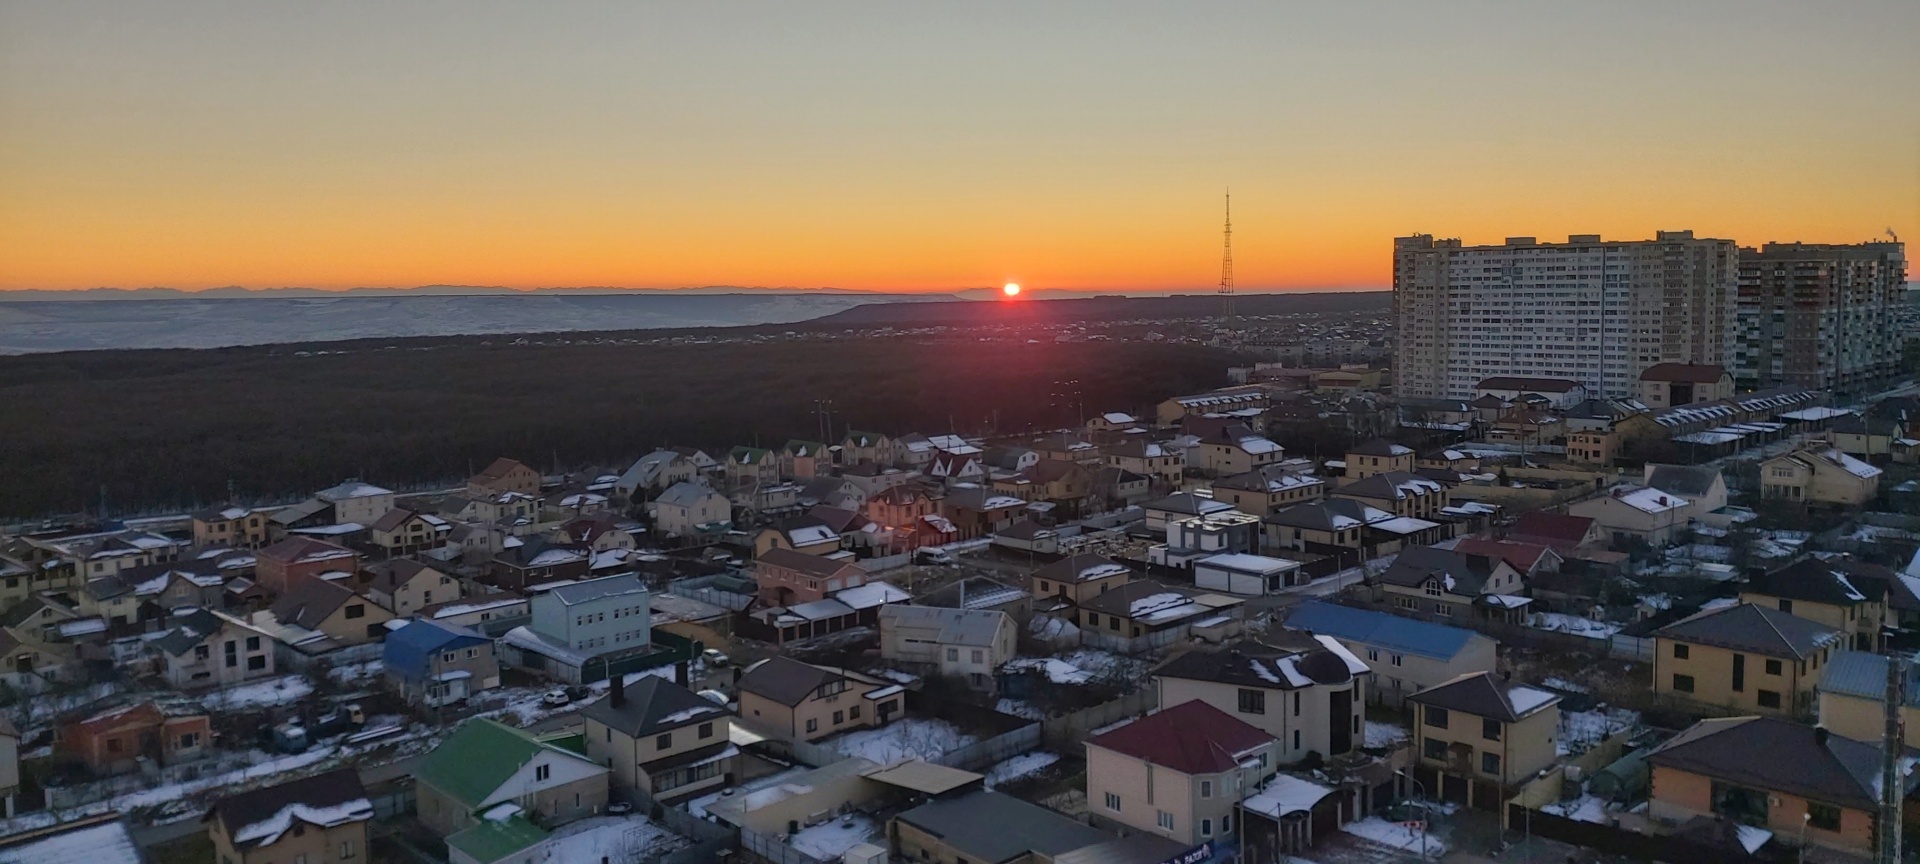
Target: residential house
x=404, y=532
x=1700, y=484
x=1559, y=392
x=1180, y=505
x=1639, y=514
x=136, y=596
x=1114, y=422
x=319, y=819
x=663, y=742
x=1308, y=692
x=1819, y=475
x=1562, y=532
x=1448, y=583
x=1664, y=385
x=504, y=475
x=1745, y=658
x=434, y=664
x=117, y=740
x=788, y=578
x=1397, y=492
x=1116, y=488
x=1592, y=447
x=1871, y=436
x=334, y=610
x=1066, y=486
x=835, y=492
x=1065, y=446
x=311, y=513
x=1480, y=738
x=659, y=470
x=1078, y=577
x=1531, y=559
x=288, y=563
x=1798, y=781
x=27, y=661
x=1237, y=449
x=106, y=838
x=752, y=465
x=404, y=586
x=1852, y=698
x=1268, y=490
x=484, y=764
x=1143, y=615
x=1242, y=573
x=206, y=649
x=1378, y=456
x=356, y=503
x=1196, y=537
x=804, y=460
x=871, y=447
x=988, y=826
x=690, y=509
x=953, y=468
x=1229, y=399
x=804, y=702
x=979, y=512
x=240, y=527
x=966, y=644
x=1164, y=464
x=1405, y=656
x=1178, y=772
x=478, y=611
x=1848, y=596
x=579, y=628
x=1339, y=528
x=807, y=535
x=535, y=561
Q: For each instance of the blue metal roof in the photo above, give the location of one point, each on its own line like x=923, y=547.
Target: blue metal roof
x=409, y=650
x=1380, y=629
x=1864, y=675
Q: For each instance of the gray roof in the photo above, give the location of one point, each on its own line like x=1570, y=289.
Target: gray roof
x=1864, y=676
x=1252, y=664
x=1777, y=755
x=1189, y=504
x=1837, y=582
x=989, y=826
x=652, y=705
x=685, y=493
x=596, y=589
x=189, y=630
x=1754, y=629
x=972, y=627
x=1683, y=480
x=785, y=680
x=1415, y=566
x=1479, y=694
x=1318, y=515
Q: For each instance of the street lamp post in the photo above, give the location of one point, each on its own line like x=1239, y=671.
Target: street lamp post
x=1426, y=815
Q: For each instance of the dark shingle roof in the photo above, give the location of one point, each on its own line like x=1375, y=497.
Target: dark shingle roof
x=309, y=602
x=1830, y=582
x=1778, y=755
x=989, y=826
x=1084, y=566
x=1251, y=664
x=1482, y=695
x=1415, y=566
x=784, y=679
x=1686, y=481
x=1754, y=629
x=332, y=789
x=812, y=565
x=653, y=705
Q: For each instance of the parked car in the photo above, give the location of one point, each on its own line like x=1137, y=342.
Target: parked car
x=715, y=657
x=556, y=698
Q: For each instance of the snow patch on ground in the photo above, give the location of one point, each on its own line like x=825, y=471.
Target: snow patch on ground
x=284, y=690
x=1395, y=835
x=1586, y=808
x=1019, y=766
x=912, y=738
x=828, y=841
x=1380, y=734
x=1581, y=731
x=1573, y=624
x=1024, y=710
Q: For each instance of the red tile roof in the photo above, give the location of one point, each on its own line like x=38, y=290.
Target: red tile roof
x=1523, y=556
x=1553, y=528
x=1191, y=738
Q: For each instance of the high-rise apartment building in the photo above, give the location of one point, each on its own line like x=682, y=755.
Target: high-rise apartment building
x=1818, y=315
x=1587, y=310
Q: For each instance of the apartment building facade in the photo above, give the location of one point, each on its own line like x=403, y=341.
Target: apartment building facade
x=1587, y=310
x=1819, y=315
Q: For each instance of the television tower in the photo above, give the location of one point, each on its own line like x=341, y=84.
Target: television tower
x=1226, y=266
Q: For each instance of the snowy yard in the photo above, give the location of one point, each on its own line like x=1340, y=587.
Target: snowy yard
x=1020, y=766
x=1582, y=730
x=1573, y=624
x=612, y=838
x=284, y=690
x=1586, y=808
x=1380, y=734
x=910, y=738
x=1395, y=835
x=830, y=840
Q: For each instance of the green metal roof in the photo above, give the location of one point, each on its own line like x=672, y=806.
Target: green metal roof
x=574, y=741
x=490, y=840
x=476, y=759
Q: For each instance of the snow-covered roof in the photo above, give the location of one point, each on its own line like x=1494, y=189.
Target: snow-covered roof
x=1248, y=563
x=1404, y=525
x=870, y=595
x=1650, y=500
x=1286, y=794
x=269, y=830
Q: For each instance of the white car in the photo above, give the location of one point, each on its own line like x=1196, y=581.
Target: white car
x=555, y=698
x=715, y=657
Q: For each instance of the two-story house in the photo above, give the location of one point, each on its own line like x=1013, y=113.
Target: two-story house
x=804, y=460
x=653, y=472
x=1479, y=737
x=1142, y=615
x=1853, y=697
x=332, y=609
x=404, y=586
x=1819, y=475
x=1165, y=465
x=237, y=527
x=578, y=628
x=1848, y=596
x=788, y=578
x=1747, y=658
x=1405, y=656
x=1178, y=772
x=1398, y=492
x=1237, y=449
x=356, y=502
x=1309, y=693
x=1378, y=456
x=690, y=509
x=206, y=649
x=662, y=741
x=435, y=664
x=1639, y=514
x=751, y=465
x=1448, y=583
x=404, y=532
x=484, y=764
x=319, y=819
x=283, y=565
x=965, y=644
x=1078, y=578
x=504, y=475
x=869, y=447
x=807, y=702
x=1268, y=490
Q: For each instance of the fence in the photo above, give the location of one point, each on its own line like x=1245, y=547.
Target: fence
x=698, y=589
x=772, y=850
x=879, y=563
x=1092, y=638
x=1624, y=647
x=686, y=824
x=1641, y=847
x=983, y=754
x=1067, y=732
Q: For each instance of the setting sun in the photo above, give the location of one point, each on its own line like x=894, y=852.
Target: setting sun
x=1011, y=289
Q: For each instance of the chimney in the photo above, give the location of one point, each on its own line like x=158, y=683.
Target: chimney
x=618, y=698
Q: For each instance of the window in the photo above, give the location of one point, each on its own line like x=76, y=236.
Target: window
x=1768, y=698
x=253, y=643
x=813, y=724
x=232, y=654
x=953, y=655
x=1253, y=701
x=189, y=740
x=1773, y=667
x=1436, y=717
x=357, y=610
x=979, y=656
x=1113, y=802
x=1683, y=683
x=853, y=713
x=542, y=772
x=1206, y=788
x=1680, y=651
x=1436, y=748
x=1396, y=659
x=1296, y=739
x=257, y=662
x=1373, y=654
x=1206, y=827
x=114, y=745
x=1786, y=606
x=201, y=652
x=706, y=730
x=1490, y=729
x=839, y=717
x=1163, y=819
x=1825, y=817
x=1490, y=763
x=663, y=742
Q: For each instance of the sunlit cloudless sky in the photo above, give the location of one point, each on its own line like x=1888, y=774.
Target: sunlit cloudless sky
x=886, y=145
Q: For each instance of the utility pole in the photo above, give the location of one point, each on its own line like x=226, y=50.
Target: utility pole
x=1893, y=749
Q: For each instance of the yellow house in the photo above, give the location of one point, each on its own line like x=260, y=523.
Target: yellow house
x=1853, y=697
x=1268, y=490
x=1592, y=446
x=661, y=739
x=1078, y=578
x=405, y=586
x=1398, y=492
x=1478, y=737
x=804, y=702
x=1848, y=596
x=1747, y=658
x=1378, y=457
x=1792, y=779
x=333, y=609
x=321, y=819
x=236, y=527
x=1819, y=475
x=1178, y=772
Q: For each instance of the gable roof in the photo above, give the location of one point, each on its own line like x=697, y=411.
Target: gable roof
x=1081, y=567
x=1191, y=738
x=1831, y=582
x=497, y=469
x=258, y=817
x=1392, y=486
x=685, y=493
x=408, y=650
x=1693, y=373
x=989, y=826
x=1777, y=755
x=1381, y=629
x=1480, y=694
x=189, y=630
x=393, y=574
x=786, y=680
x=1188, y=504
x=305, y=550
x=819, y=566
x=310, y=602
x=1687, y=481
x=1380, y=447
x=1331, y=514
x=652, y=705
x=1754, y=629
x=1558, y=528
x=1521, y=556
x=472, y=763
x=972, y=627
x=1251, y=664
x=1460, y=572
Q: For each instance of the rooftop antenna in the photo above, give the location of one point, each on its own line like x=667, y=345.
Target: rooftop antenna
x=1226, y=266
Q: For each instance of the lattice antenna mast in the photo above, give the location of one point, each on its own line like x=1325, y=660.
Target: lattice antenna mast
x=1226, y=265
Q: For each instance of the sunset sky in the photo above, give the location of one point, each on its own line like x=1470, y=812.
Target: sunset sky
x=889, y=145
